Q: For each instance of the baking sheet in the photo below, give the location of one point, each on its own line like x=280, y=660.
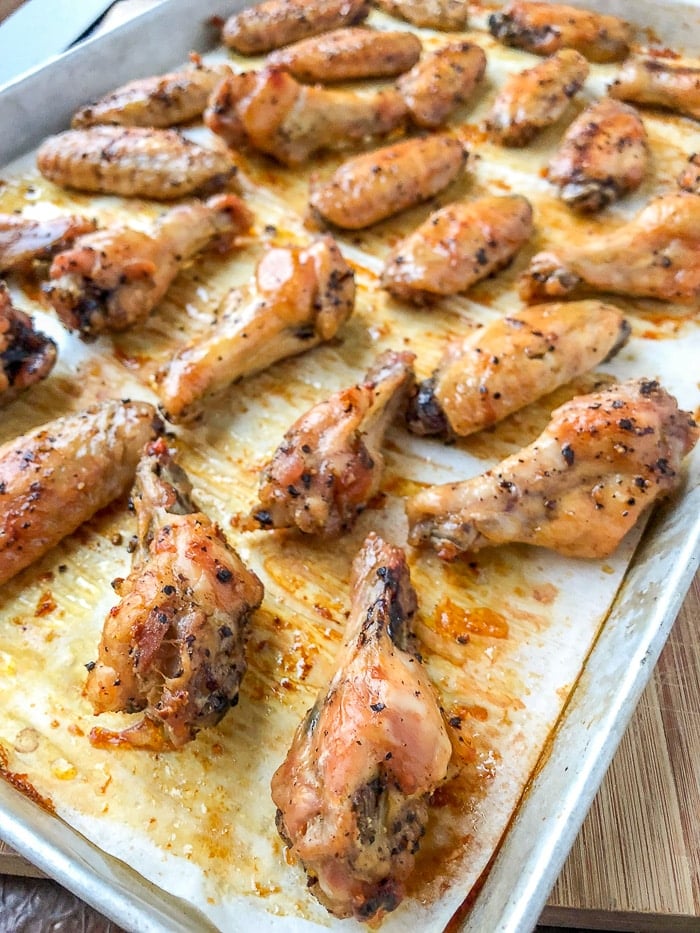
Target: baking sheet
x=502, y=902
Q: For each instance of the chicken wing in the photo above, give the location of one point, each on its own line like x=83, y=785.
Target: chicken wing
x=174, y=646
x=536, y=98
x=275, y=23
x=578, y=489
x=112, y=279
x=373, y=186
x=23, y=240
x=299, y=298
x=272, y=112
x=353, y=792
x=544, y=28
x=442, y=81
x=661, y=83
x=502, y=367
x=161, y=101
x=604, y=155
x=655, y=255
x=26, y=355
x=446, y=15
x=330, y=463
x=133, y=162
x=57, y=476
x=457, y=246
x=689, y=178
x=347, y=54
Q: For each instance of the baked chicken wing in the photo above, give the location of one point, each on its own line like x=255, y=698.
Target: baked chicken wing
x=56, y=477
x=330, y=463
x=660, y=83
x=23, y=239
x=174, y=646
x=111, y=279
x=689, y=178
x=299, y=298
x=353, y=792
x=655, y=255
x=442, y=81
x=446, y=15
x=578, y=489
x=274, y=23
x=26, y=355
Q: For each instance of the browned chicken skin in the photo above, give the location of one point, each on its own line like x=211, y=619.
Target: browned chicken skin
x=603, y=155
x=275, y=23
x=655, y=255
x=299, y=298
x=446, y=15
x=56, y=477
x=373, y=186
x=457, y=246
x=661, y=83
x=689, y=178
x=578, y=489
x=272, y=112
x=23, y=240
x=112, y=279
x=499, y=368
x=330, y=463
x=161, y=101
x=544, y=28
x=442, y=81
x=353, y=793
x=536, y=98
x=174, y=646
x=347, y=54
x=26, y=355
x=133, y=162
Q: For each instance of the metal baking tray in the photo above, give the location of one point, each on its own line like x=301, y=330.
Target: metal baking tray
x=617, y=669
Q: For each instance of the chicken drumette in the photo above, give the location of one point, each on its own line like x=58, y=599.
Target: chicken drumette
x=353, y=792
x=274, y=23
x=22, y=239
x=659, y=82
x=578, y=489
x=26, y=355
x=442, y=81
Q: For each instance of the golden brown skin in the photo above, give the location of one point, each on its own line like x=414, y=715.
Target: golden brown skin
x=441, y=82
x=689, y=178
x=275, y=23
x=373, y=186
x=536, y=98
x=161, y=101
x=659, y=83
x=347, y=54
x=445, y=15
x=174, y=646
x=56, y=477
x=655, y=255
x=26, y=355
x=22, y=240
x=330, y=464
x=299, y=298
x=457, y=246
x=272, y=112
x=578, y=489
x=544, y=28
x=603, y=155
x=112, y=279
x=498, y=369
x=353, y=792
x=133, y=162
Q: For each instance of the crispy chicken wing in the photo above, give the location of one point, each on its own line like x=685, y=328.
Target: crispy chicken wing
x=499, y=368
x=689, y=178
x=133, y=162
x=353, y=792
x=111, y=279
x=447, y=15
x=22, y=239
x=661, y=83
x=272, y=112
x=26, y=355
x=174, y=646
x=544, y=28
x=56, y=477
x=655, y=255
x=275, y=23
x=578, y=489
x=373, y=186
x=330, y=463
x=346, y=54
x=603, y=155
x=536, y=98
x=457, y=246
x=299, y=298
x=442, y=81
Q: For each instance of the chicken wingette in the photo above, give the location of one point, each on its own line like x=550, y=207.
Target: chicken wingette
x=446, y=15
x=274, y=23
x=660, y=83
x=24, y=239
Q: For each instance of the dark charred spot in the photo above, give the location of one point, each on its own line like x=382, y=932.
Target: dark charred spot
x=90, y=666
x=567, y=453
x=224, y=575
x=225, y=631
x=377, y=707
